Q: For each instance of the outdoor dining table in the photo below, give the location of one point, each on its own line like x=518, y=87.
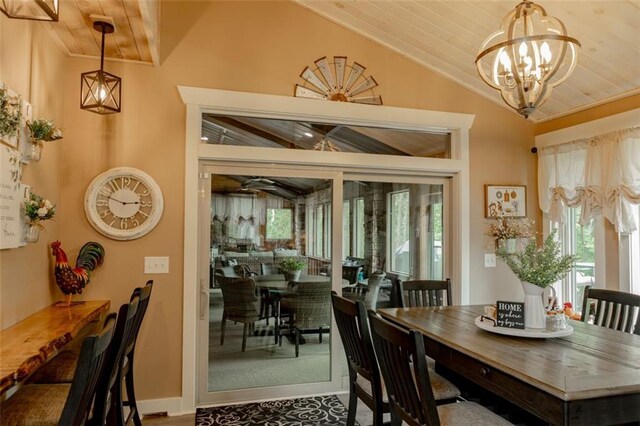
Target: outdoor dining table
x=591, y=376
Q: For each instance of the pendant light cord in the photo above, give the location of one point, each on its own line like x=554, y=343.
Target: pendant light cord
x=102, y=51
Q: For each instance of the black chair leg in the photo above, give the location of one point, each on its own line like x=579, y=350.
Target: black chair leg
x=320, y=334
x=353, y=401
x=395, y=419
x=297, y=331
x=244, y=336
x=222, y=327
x=131, y=395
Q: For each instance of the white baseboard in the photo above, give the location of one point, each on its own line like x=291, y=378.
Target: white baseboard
x=171, y=406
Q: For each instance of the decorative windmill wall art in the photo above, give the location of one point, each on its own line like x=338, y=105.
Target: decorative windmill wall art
x=338, y=81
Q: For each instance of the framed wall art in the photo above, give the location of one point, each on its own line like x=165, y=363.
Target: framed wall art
x=505, y=201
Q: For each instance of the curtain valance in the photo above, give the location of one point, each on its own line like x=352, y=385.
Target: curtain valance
x=600, y=174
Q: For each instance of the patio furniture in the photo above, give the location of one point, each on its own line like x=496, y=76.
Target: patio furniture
x=238, y=296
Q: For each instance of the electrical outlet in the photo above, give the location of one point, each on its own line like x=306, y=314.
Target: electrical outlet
x=156, y=265
x=489, y=260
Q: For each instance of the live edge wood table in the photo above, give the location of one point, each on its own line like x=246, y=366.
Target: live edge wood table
x=28, y=344
x=590, y=377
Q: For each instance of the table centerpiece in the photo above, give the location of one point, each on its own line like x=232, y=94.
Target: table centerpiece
x=537, y=268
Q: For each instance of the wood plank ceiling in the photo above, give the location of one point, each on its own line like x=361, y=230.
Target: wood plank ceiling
x=446, y=35
x=137, y=29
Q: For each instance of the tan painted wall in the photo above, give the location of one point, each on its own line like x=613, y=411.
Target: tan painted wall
x=33, y=65
x=600, y=111
x=254, y=47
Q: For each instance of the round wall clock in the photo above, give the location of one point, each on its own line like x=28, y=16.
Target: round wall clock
x=123, y=203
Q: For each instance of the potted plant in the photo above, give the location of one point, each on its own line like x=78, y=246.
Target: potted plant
x=292, y=268
x=538, y=268
x=507, y=231
x=10, y=115
x=36, y=210
x=41, y=130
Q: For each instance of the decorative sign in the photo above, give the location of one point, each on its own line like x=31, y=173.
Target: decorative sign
x=11, y=196
x=510, y=314
x=505, y=201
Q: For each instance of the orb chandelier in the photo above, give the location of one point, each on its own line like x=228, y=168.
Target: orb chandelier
x=527, y=57
x=100, y=91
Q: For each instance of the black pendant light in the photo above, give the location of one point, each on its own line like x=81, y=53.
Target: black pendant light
x=35, y=10
x=100, y=91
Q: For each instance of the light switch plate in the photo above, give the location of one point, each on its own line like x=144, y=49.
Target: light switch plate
x=156, y=265
x=489, y=260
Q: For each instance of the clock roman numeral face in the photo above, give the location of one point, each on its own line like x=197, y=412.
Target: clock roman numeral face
x=123, y=203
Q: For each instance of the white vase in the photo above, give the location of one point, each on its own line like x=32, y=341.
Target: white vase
x=32, y=233
x=534, y=315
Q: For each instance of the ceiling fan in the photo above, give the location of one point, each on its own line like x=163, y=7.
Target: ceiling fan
x=258, y=184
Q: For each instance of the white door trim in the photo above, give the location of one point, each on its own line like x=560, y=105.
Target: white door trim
x=200, y=100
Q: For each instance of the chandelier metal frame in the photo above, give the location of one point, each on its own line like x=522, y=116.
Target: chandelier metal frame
x=527, y=57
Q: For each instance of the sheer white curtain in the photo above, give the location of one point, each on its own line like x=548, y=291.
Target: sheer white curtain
x=601, y=174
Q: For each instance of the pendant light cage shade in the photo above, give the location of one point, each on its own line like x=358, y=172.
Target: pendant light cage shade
x=527, y=57
x=35, y=10
x=100, y=92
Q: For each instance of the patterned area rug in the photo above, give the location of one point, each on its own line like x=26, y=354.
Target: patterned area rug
x=315, y=411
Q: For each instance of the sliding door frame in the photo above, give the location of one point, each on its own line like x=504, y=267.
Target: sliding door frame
x=200, y=100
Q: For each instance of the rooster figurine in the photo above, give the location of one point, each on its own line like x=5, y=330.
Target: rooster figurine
x=72, y=280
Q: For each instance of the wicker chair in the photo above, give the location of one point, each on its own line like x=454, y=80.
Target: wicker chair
x=309, y=305
x=612, y=309
x=239, y=298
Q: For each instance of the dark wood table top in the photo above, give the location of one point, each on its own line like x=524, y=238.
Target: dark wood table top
x=592, y=362
x=28, y=344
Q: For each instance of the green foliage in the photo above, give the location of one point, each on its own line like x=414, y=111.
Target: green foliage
x=541, y=266
x=279, y=224
x=10, y=113
x=44, y=130
x=291, y=264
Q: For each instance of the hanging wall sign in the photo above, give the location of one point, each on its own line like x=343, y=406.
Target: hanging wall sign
x=11, y=222
x=510, y=314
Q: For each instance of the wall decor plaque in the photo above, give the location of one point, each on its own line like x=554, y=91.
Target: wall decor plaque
x=505, y=201
x=510, y=314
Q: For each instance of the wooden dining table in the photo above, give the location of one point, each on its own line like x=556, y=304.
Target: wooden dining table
x=28, y=344
x=591, y=376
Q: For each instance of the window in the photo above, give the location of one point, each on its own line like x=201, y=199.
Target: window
x=346, y=227
x=318, y=231
x=630, y=256
x=279, y=224
x=581, y=241
x=399, y=230
x=358, y=228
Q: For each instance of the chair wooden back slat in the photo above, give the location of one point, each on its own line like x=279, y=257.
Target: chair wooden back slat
x=423, y=293
x=88, y=371
x=401, y=355
x=616, y=310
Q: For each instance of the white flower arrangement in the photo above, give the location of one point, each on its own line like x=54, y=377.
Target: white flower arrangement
x=503, y=228
x=43, y=130
x=38, y=209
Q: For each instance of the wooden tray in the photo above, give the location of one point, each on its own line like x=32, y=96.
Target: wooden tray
x=527, y=332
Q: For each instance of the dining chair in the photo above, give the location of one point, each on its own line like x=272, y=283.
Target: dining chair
x=616, y=310
x=238, y=298
x=364, y=377
x=309, y=308
x=66, y=404
x=423, y=293
x=125, y=370
x=401, y=355
x=104, y=406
